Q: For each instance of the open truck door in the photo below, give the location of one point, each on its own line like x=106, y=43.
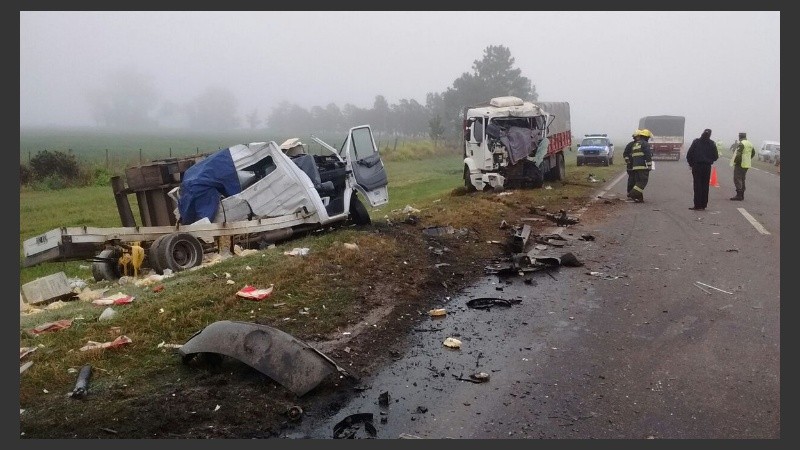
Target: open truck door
x=365, y=162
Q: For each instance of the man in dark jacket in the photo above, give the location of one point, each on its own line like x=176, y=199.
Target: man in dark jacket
x=700, y=156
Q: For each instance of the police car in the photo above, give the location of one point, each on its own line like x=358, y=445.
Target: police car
x=596, y=148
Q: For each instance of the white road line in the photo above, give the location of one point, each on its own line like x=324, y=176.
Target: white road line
x=753, y=221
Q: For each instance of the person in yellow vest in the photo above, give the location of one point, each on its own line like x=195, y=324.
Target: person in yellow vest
x=740, y=162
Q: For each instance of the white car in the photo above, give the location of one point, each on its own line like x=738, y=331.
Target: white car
x=769, y=151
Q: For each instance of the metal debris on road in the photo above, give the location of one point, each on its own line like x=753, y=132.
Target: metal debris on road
x=712, y=287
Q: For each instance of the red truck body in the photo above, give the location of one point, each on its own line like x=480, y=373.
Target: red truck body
x=667, y=141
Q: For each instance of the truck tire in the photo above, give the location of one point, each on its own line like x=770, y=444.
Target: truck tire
x=358, y=212
x=467, y=181
x=179, y=251
x=152, y=254
x=106, y=265
x=558, y=172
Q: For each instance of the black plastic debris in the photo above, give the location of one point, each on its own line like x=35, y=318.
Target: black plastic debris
x=383, y=399
x=489, y=302
x=520, y=238
x=82, y=385
x=561, y=219
x=570, y=260
x=355, y=426
x=587, y=237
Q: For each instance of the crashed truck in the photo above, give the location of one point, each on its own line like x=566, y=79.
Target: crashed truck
x=511, y=143
x=251, y=195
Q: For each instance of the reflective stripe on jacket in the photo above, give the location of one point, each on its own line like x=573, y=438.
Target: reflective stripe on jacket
x=638, y=156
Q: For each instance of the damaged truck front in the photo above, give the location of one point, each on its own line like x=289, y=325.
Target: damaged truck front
x=511, y=143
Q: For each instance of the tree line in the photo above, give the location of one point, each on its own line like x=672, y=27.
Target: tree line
x=129, y=100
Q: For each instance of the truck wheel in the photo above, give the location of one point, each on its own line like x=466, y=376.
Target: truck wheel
x=152, y=254
x=467, y=181
x=358, y=212
x=106, y=265
x=179, y=251
x=558, y=172
x=579, y=162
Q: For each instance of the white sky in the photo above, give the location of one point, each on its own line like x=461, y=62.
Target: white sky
x=719, y=69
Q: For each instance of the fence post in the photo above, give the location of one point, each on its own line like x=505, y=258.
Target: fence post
x=395, y=143
x=197, y=151
x=140, y=156
x=170, y=152
x=106, y=158
x=29, y=157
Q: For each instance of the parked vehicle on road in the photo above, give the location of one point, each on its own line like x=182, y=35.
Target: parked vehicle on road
x=596, y=149
x=769, y=151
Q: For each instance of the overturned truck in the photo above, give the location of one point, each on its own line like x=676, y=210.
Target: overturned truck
x=511, y=143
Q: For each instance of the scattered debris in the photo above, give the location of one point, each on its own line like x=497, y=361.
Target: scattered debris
x=351, y=427
x=297, y=251
x=25, y=351
x=477, y=378
x=408, y=436
x=587, y=237
x=295, y=413
x=561, y=219
x=289, y=361
x=488, y=302
x=701, y=288
x=119, y=341
x=421, y=410
x=570, y=260
x=46, y=289
x=520, y=238
x=251, y=293
x=82, y=384
x=25, y=367
x=117, y=299
x=162, y=344
x=422, y=330
x=603, y=275
x=438, y=312
x=107, y=314
x=712, y=287
x=239, y=251
x=51, y=326
x=452, y=343
x=383, y=399
x=350, y=246
x=410, y=210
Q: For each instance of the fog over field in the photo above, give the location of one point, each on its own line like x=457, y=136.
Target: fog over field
x=719, y=69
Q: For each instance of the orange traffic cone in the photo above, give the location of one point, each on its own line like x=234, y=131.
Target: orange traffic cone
x=713, y=182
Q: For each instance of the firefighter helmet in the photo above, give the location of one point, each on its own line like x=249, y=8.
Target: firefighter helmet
x=645, y=133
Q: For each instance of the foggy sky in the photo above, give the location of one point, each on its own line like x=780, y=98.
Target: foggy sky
x=719, y=69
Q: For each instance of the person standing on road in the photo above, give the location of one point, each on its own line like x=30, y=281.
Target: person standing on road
x=741, y=161
x=700, y=156
x=639, y=157
x=628, y=162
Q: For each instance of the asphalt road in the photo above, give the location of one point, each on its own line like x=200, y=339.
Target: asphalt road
x=629, y=346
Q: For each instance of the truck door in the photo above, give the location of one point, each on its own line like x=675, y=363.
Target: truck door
x=362, y=155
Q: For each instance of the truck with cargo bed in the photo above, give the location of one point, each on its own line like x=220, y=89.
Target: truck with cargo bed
x=251, y=195
x=512, y=143
x=668, y=131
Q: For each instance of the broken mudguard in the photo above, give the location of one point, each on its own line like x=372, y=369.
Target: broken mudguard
x=289, y=361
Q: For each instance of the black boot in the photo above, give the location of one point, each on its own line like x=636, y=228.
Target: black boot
x=739, y=196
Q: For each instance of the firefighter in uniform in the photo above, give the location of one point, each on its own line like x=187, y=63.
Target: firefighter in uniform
x=628, y=166
x=639, y=159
